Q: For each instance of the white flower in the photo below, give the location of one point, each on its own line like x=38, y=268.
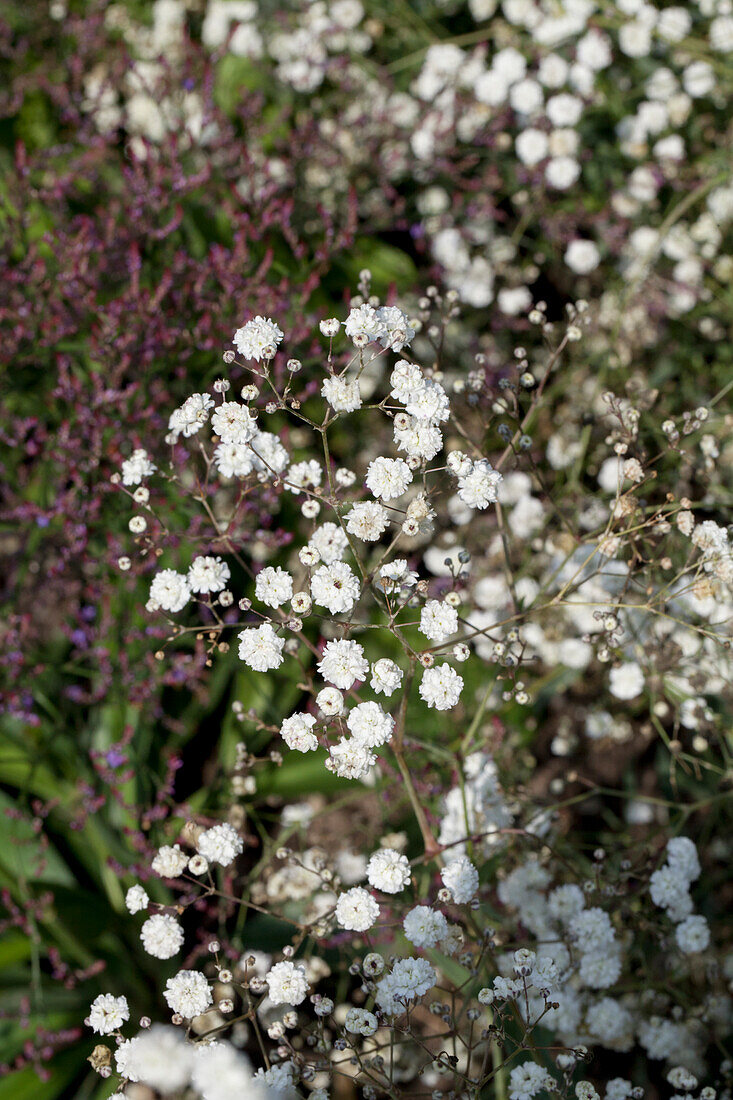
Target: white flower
x=159, y=1057
x=386, y=676
x=335, y=587
x=363, y=321
x=509, y=63
x=169, y=590
x=136, y=467
x=564, y=109
x=531, y=146
x=330, y=701
x=220, y=1072
x=420, y=439
x=406, y=379
x=582, y=256
x=107, y=1013
x=553, y=71
x=682, y=857
x=208, y=574
x=274, y=586
x=635, y=39
x=234, y=459
x=527, y=96
x=720, y=34
x=342, y=394
x=626, y=681
x=594, y=50
x=188, y=993
x=692, y=935
x=269, y=457
x=356, y=910
x=370, y=725
x=124, y=1059
x=367, y=520
x=389, y=871
x=258, y=339
x=350, y=759
x=304, y=475
x=438, y=620
x=461, y=878
x=669, y=889
x=565, y=902
x=673, y=24
x=441, y=687
x=297, y=734
x=169, y=862
x=425, y=927
x=287, y=983
x=388, y=478
x=397, y=574
x=162, y=936
x=233, y=423
x=514, y=300
x=136, y=899
x=360, y=1022
x=395, y=331
x=698, y=79
x=478, y=488
x=261, y=648
x=592, y=929
x=220, y=844
x=428, y=402
x=343, y=663
x=527, y=1080
x=330, y=541
x=191, y=416
x=600, y=970
x=562, y=172
x=410, y=979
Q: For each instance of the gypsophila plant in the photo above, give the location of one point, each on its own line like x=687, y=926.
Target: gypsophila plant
x=427, y=581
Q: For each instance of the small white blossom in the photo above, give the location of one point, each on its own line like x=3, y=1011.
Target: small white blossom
x=478, y=488
x=342, y=394
x=287, y=983
x=441, y=687
x=220, y=844
x=367, y=521
x=297, y=732
x=136, y=899
x=343, y=663
x=335, y=587
x=233, y=423
x=261, y=648
x=360, y=1022
x=208, y=574
x=273, y=586
x=169, y=590
x=138, y=466
x=107, y=1014
x=389, y=871
x=356, y=910
x=438, y=620
x=162, y=936
x=386, y=676
x=169, y=862
x=369, y=724
x=188, y=993
x=388, y=478
x=425, y=927
x=461, y=878
x=258, y=339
